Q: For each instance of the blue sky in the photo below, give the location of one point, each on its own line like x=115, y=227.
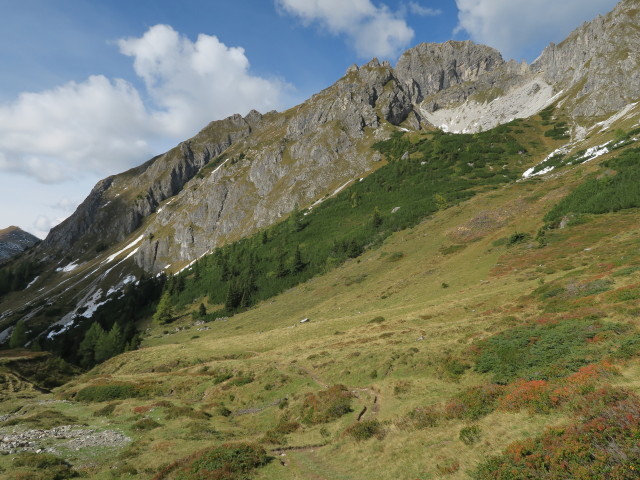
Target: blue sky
x=89, y=88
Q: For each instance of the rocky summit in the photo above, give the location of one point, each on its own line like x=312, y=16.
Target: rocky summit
x=14, y=240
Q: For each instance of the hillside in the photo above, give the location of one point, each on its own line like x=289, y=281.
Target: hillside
x=13, y=241
x=345, y=291
x=404, y=327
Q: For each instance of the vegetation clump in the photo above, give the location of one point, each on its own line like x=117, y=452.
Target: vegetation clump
x=230, y=461
x=326, y=405
x=108, y=392
x=603, y=444
x=365, y=430
x=546, y=351
x=42, y=466
x=604, y=194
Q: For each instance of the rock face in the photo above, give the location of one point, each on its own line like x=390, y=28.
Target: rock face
x=294, y=159
x=244, y=173
x=13, y=241
x=430, y=67
x=598, y=64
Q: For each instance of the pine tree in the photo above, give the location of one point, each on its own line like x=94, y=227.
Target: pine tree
x=19, y=335
x=296, y=219
x=202, y=311
x=281, y=269
x=164, y=311
x=87, y=348
x=297, y=265
x=376, y=218
x=109, y=344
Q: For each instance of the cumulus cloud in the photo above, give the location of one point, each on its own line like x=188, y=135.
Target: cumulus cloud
x=372, y=31
x=103, y=125
x=417, y=9
x=65, y=204
x=194, y=82
x=43, y=224
x=521, y=27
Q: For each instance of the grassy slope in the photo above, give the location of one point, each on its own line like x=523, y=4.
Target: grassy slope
x=393, y=366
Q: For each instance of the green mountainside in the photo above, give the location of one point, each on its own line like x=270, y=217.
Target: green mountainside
x=344, y=291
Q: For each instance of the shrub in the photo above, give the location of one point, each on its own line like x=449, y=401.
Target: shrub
x=145, y=424
x=517, y=237
x=326, y=405
x=223, y=411
x=470, y=435
x=545, y=351
x=224, y=462
x=365, y=430
x=107, y=410
x=603, y=444
x=420, y=418
x=188, y=412
x=104, y=393
x=377, y=320
x=534, y=395
x=48, y=466
x=475, y=402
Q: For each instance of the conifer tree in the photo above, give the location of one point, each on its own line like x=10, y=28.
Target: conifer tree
x=297, y=265
x=164, y=311
x=19, y=335
x=87, y=348
x=376, y=218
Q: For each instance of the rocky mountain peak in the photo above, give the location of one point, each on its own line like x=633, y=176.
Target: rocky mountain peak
x=431, y=67
x=14, y=240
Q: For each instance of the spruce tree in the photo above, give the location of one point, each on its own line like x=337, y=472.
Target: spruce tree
x=376, y=218
x=19, y=335
x=87, y=348
x=297, y=265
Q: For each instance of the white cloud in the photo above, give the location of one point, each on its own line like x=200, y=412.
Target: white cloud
x=417, y=9
x=372, y=31
x=43, y=224
x=65, y=204
x=193, y=83
x=104, y=126
x=521, y=27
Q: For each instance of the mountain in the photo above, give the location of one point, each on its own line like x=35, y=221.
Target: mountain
x=14, y=240
x=423, y=271
x=242, y=174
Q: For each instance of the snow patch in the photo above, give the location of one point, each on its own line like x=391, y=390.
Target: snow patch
x=92, y=304
x=32, y=282
x=125, y=281
x=69, y=268
x=112, y=257
x=594, y=152
x=319, y=201
x=563, y=150
x=66, y=326
x=339, y=189
x=606, y=124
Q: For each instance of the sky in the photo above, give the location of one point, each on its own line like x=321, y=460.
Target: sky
x=91, y=88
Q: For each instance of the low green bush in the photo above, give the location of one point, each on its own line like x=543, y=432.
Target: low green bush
x=470, y=435
x=365, y=430
x=107, y=392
